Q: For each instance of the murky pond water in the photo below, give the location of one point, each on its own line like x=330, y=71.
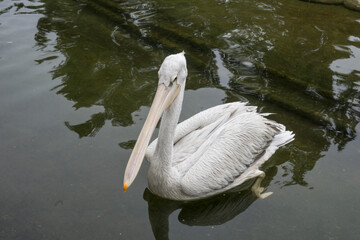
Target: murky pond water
x=76, y=82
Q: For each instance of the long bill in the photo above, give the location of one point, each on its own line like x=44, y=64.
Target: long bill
x=163, y=98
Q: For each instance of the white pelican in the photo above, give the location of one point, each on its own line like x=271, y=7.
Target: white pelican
x=209, y=153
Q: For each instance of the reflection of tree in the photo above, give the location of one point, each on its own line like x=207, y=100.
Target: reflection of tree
x=96, y=71
x=90, y=127
x=102, y=66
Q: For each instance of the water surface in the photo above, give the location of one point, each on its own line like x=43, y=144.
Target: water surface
x=76, y=82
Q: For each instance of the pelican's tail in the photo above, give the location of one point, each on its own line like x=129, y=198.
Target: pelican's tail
x=281, y=139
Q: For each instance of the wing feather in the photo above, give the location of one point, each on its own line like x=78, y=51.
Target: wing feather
x=235, y=144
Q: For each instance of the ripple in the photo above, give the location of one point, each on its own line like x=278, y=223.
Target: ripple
x=347, y=65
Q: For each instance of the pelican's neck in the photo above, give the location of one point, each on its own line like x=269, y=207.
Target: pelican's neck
x=164, y=148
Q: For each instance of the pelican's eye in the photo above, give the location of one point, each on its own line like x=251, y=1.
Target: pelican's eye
x=172, y=80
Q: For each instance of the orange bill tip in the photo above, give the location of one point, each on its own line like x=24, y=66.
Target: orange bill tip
x=125, y=187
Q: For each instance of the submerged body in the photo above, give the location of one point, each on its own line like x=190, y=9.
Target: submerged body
x=209, y=153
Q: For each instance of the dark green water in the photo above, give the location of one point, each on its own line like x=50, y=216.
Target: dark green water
x=76, y=82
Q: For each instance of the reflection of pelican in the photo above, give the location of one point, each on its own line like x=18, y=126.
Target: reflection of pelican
x=206, y=212
x=209, y=153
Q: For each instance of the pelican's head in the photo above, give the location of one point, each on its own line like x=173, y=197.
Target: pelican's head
x=172, y=76
x=173, y=70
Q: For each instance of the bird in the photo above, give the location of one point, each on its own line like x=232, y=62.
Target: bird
x=209, y=153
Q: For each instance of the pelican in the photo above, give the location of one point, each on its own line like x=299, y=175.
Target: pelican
x=207, y=154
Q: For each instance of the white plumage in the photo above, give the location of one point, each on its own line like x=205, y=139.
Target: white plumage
x=209, y=153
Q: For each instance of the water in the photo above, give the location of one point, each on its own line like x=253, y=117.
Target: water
x=76, y=82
